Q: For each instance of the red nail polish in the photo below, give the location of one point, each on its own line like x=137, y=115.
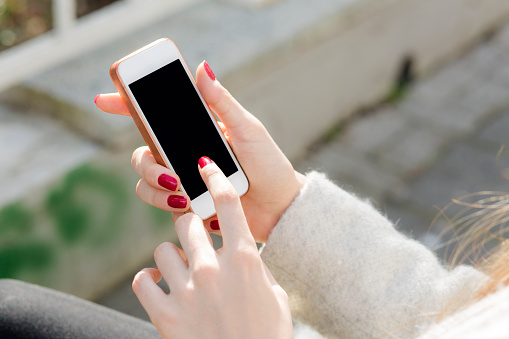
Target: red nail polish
x=214, y=225
x=167, y=182
x=177, y=201
x=209, y=71
x=96, y=97
x=204, y=161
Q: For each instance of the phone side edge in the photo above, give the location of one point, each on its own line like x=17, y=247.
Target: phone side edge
x=119, y=85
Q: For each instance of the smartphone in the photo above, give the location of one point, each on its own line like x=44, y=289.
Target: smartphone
x=176, y=123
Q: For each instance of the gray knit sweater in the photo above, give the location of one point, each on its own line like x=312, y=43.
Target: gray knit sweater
x=350, y=274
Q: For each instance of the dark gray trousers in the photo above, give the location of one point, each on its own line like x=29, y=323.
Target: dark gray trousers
x=30, y=311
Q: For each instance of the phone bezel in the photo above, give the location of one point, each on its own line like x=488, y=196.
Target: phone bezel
x=135, y=67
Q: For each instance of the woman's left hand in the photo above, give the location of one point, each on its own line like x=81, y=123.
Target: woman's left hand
x=228, y=293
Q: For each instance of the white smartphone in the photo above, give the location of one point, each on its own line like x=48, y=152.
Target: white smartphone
x=174, y=120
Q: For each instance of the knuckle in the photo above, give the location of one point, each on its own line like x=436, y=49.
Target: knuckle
x=138, y=188
x=134, y=161
x=141, y=158
x=226, y=196
x=148, y=194
x=150, y=173
x=138, y=280
x=254, y=131
x=168, y=318
x=225, y=103
x=136, y=283
x=163, y=249
x=256, y=123
x=145, y=195
x=152, y=197
x=136, y=157
x=225, y=97
x=212, y=171
x=204, y=272
x=184, y=219
x=245, y=257
x=281, y=294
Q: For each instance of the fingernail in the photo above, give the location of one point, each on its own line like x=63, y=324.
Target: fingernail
x=177, y=201
x=204, y=161
x=214, y=225
x=96, y=97
x=167, y=182
x=209, y=71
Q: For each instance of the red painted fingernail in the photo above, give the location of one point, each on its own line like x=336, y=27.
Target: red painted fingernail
x=167, y=182
x=209, y=71
x=177, y=201
x=96, y=97
x=204, y=161
x=214, y=225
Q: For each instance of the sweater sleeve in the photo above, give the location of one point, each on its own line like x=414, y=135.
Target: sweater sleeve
x=350, y=274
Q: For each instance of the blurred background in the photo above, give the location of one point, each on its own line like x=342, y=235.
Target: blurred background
x=403, y=102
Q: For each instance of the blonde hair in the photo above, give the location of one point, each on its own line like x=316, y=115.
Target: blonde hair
x=481, y=230
x=498, y=271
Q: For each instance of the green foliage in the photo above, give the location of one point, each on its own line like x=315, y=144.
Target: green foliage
x=15, y=218
x=18, y=250
x=72, y=222
x=25, y=255
x=87, y=206
x=332, y=133
x=405, y=78
x=397, y=94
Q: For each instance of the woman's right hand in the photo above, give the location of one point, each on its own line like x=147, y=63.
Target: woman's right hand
x=273, y=182
x=228, y=293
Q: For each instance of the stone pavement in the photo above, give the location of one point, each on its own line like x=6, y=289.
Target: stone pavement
x=439, y=142
x=412, y=157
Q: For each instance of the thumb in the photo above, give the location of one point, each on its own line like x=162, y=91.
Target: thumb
x=231, y=113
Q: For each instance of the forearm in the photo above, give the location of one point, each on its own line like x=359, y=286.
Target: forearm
x=348, y=272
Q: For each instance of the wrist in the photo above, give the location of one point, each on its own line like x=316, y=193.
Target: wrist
x=298, y=181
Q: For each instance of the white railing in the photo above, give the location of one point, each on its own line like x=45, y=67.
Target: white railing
x=64, y=16
x=71, y=37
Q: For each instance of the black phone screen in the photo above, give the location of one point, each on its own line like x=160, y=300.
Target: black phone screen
x=181, y=124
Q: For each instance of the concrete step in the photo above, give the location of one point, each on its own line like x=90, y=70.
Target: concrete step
x=228, y=37
x=35, y=150
x=283, y=61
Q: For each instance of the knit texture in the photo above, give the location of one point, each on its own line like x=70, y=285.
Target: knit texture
x=350, y=274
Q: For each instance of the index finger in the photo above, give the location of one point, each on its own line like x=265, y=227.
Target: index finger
x=194, y=239
x=111, y=103
x=234, y=227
